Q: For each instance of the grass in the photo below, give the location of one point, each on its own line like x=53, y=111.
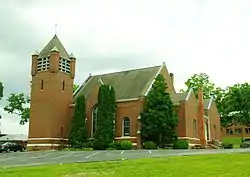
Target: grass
x=235, y=141
x=219, y=165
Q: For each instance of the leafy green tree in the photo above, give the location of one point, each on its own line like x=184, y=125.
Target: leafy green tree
x=238, y=104
x=1, y=90
x=78, y=131
x=159, y=119
x=19, y=104
x=106, y=108
x=75, y=87
x=203, y=81
x=237, y=111
x=200, y=80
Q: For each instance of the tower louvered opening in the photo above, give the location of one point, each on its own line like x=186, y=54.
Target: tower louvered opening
x=43, y=64
x=64, y=65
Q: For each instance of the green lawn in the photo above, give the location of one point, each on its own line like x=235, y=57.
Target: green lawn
x=235, y=141
x=201, y=165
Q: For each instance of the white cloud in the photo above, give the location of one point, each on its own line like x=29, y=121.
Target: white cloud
x=190, y=36
x=9, y=124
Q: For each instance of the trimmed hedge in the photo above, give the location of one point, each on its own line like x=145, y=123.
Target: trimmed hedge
x=227, y=145
x=180, y=144
x=126, y=145
x=150, y=145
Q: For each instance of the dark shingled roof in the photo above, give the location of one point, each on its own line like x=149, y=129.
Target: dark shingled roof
x=206, y=103
x=177, y=97
x=54, y=42
x=127, y=84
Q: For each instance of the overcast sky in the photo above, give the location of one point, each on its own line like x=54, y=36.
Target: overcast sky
x=210, y=36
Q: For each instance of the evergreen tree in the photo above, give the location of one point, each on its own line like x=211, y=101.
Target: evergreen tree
x=104, y=133
x=78, y=133
x=158, y=119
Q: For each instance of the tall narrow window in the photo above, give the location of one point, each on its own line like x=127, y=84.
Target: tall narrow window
x=215, y=132
x=126, y=126
x=42, y=85
x=94, y=120
x=63, y=86
x=195, y=128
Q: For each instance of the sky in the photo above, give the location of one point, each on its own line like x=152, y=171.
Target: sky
x=190, y=36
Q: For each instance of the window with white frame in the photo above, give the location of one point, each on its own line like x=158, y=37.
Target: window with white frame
x=229, y=131
x=247, y=130
x=64, y=65
x=94, y=120
x=126, y=126
x=195, y=128
x=42, y=64
x=237, y=130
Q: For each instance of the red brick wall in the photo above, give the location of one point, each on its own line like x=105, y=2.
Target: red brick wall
x=235, y=135
x=181, y=129
x=191, y=114
x=215, y=127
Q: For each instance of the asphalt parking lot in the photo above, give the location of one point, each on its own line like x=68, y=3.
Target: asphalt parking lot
x=15, y=159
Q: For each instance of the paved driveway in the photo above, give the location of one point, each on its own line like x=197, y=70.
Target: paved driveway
x=15, y=159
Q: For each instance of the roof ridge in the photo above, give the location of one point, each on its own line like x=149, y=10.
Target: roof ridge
x=135, y=69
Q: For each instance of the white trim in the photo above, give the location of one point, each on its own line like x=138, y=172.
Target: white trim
x=189, y=138
x=150, y=86
x=100, y=81
x=210, y=103
x=125, y=137
x=32, y=145
x=123, y=126
x=128, y=99
x=193, y=144
x=189, y=94
x=209, y=131
x=83, y=84
x=92, y=120
x=31, y=139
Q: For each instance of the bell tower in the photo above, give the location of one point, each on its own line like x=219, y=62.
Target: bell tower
x=53, y=72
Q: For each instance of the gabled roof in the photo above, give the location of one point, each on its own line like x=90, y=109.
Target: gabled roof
x=127, y=84
x=177, y=97
x=207, y=103
x=54, y=43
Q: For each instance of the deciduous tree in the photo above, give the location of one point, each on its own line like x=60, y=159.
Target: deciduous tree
x=238, y=104
x=75, y=87
x=203, y=81
x=200, y=80
x=78, y=131
x=159, y=119
x=18, y=104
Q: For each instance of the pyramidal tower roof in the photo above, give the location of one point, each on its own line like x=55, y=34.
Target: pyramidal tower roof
x=54, y=43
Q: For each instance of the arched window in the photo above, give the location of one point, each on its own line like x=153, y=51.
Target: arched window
x=94, y=120
x=126, y=126
x=195, y=128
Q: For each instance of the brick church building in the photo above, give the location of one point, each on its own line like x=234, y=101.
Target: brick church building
x=52, y=101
